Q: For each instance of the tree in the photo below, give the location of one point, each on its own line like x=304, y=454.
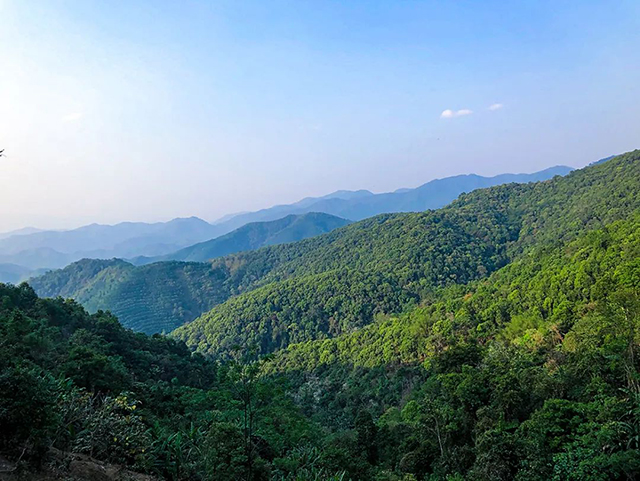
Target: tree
x=244, y=371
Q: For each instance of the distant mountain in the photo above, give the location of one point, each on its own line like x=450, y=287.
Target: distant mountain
x=54, y=249
x=133, y=240
x=23, y=231
x=161, y=296
x=253, y=236
x=602, y=160
x=14, y=274
x=303, y=206
x=358, y=205
x=340, y=282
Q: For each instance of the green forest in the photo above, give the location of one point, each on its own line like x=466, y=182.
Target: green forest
x=494, y=339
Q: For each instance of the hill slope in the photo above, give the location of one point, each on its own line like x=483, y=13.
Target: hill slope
x=531, y=373
x=411, y=252
x=521, y=361
x=164, y=295
x=339, y=282
x=255, y=235
x=76, y=388
x=36, y=249
x=153, y=298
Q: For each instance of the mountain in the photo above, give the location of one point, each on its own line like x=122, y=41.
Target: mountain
x=175, y=302
x=377, y=265
x=279, y=211
x=494, y=339
x=339, y=282
x=555, y=285
x=23, y=231
x=502, y=369
x=35, y=249
x=161, y=296
x=53, y=249
x=151, y=298
x=255, y=235
x=358, y=205
x=15, y=274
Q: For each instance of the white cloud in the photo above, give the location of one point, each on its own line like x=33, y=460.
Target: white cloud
x=449, y=114
x=495, y=106
x=72, y=117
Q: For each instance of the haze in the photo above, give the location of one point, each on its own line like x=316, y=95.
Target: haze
x=113, y=111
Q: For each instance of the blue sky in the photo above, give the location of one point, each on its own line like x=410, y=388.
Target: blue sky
x=114, y=111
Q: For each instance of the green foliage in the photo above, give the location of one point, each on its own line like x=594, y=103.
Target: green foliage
x=496, y=339
x=153, y=298
x=382, y=264
x=531, y=374
x=164, y=295
x=339, y=282
x=82, y=383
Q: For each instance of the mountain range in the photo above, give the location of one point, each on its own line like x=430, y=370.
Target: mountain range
x=337, y=283
x=161, y=296
x=495, y=338
x=34, y=250
x=360, y=204
x=51, y=249
x=253, y=236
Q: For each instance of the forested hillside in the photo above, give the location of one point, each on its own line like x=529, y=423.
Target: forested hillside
x=516, y=356
x=35, y=250
x=255, y=235
x=410, y=252
x=339, y=282
x=531, y=374
x=161, y=296
x=78, y=384
x=153, y=298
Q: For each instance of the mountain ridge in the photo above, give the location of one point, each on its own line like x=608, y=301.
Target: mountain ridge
x=158, y=296
x=131, y=240
x=503, y=345
x=237, y=274
x=254, y=235
x=386, y=263
x=361, y=204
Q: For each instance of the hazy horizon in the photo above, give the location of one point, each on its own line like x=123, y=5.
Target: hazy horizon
x=233, y=214
x=155, y=110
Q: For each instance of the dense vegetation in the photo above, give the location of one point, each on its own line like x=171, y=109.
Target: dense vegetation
x=495, y=339
x=34, y=250
x=161, y=296
x=152, y=298
x=83, y=384
x=340, y=281
x=152, y=309
x=531, y=374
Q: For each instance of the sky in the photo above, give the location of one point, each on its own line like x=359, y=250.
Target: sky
x=144, y=111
